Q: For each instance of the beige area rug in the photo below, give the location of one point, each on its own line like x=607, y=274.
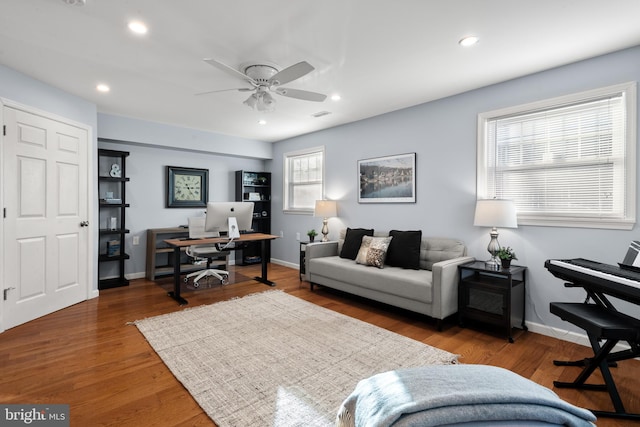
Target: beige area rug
x=271, y=359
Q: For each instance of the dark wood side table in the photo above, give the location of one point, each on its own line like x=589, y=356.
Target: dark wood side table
x=303, y=247
x=495, y=297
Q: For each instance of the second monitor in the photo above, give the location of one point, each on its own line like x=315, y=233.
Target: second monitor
x=230, y=217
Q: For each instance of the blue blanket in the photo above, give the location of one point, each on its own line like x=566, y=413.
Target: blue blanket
x=450, y=394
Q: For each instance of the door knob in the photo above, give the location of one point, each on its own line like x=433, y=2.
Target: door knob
x=84, y=224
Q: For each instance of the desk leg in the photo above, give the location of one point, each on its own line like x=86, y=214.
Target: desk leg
x=263, y=255
x=175, y=294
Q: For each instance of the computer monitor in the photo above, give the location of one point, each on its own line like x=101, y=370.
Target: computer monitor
x=230, y=217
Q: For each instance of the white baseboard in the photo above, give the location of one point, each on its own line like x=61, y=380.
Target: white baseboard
x=561, y=334
x=564, y=335
x=285, y=263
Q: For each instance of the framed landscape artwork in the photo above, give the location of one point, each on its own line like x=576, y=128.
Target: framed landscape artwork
x=390, y=179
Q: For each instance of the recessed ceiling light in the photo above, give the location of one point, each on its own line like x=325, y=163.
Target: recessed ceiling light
x=468, y=41
x=336, y=97
x=262, y=122
x=138, y=27
x=103, y=88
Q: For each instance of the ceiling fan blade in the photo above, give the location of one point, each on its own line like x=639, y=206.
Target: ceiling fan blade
x=230, y=70
x=291, y=73
x=301, y=94
x=240, y=89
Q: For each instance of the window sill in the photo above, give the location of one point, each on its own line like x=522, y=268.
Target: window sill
x=610, y=224
x=298, y=211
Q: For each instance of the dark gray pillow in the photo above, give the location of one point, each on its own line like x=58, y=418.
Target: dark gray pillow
x=404, y=250
x=353, y=240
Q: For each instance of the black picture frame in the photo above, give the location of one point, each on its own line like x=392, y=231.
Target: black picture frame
x=181, y=178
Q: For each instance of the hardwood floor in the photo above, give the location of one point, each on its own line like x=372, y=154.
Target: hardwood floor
x=88, y=355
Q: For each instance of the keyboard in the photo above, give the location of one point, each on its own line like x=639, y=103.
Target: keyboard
x=597, y=276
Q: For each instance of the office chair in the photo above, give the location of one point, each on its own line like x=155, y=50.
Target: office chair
x=201, y=253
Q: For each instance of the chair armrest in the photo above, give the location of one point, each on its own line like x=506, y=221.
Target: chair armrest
x=445, y=286
x=318, y=250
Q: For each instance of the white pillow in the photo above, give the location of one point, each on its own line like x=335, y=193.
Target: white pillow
x=373, y=251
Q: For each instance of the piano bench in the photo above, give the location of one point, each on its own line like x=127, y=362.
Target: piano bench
x=598, y=321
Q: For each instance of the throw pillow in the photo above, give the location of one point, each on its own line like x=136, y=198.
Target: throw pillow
x=373, y=251
x=404, y=250
x=352, y=241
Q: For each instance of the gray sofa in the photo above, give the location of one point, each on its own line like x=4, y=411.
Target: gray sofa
x=430, y=290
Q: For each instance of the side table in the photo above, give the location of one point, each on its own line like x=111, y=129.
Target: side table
x=303, y=247
x=495, y=297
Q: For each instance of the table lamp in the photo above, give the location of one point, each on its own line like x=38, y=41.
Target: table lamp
x=495, y=213
x=325, y=209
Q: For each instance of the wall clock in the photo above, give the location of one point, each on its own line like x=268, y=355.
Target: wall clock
x=187, y=187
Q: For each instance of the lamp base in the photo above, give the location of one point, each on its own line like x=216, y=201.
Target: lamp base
x=492, y=264
x=325, y=230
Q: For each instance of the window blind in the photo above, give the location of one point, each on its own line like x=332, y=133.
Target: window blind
x=562, y=161
x=304, y=180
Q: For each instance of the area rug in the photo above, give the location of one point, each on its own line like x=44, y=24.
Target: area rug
x=272, y=359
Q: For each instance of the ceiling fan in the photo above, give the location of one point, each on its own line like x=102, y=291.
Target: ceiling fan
x=266, y=78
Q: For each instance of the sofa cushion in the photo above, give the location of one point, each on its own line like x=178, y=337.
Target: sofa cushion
x=434, y=249
x=404, y=250
x=410, y=284
x=353, y=241
x=373, y=251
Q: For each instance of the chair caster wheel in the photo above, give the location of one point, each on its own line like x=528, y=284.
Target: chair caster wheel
x=196, y=284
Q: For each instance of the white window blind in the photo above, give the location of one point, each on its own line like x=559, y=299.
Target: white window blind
x=570, y=162
x=304, y=176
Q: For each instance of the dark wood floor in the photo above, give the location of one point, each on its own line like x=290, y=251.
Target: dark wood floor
x=88, y=355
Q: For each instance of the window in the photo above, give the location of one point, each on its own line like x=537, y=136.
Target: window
x=304, y=180
x=568, y=161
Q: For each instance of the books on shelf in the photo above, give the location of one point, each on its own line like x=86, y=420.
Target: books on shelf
x=112, y=201
x=113, y=247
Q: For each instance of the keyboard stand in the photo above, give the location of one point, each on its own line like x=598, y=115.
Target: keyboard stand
x=600, y=323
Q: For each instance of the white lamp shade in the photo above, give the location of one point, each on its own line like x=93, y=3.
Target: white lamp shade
x=496, y=213
x=325, y=208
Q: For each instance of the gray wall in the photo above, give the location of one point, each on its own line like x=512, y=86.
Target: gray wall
x=443, y=134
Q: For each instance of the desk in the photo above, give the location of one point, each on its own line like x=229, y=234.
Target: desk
x=177, y=244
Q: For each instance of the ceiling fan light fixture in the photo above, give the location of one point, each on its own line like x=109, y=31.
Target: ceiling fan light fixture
x=261, y=101
x=268, y=100
x=251, y=101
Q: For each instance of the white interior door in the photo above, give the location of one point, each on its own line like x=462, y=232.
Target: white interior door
x=46, y=238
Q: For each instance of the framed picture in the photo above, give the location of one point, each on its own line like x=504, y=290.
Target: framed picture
x=187, y=187
x=390, y=179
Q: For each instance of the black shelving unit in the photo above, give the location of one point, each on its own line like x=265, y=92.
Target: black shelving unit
x=255, y=187
x=112, y=180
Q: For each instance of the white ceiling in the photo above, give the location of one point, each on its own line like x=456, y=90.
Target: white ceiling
x=379, y=55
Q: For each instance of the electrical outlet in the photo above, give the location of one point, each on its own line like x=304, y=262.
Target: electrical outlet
x=136, y=240
x=298, y=237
